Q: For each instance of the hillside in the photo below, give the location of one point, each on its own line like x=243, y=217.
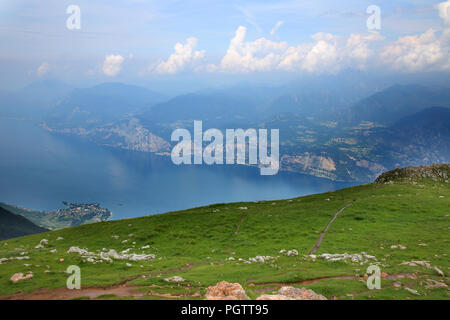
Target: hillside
x=13, y=225
x=401, y=227
x=397, y=102
x=74, y=214
x=96, y=106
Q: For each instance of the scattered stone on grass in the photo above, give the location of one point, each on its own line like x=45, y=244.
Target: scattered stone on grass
x=111, y=254
x=360, y=258
x=398, y=246
x=433, y=284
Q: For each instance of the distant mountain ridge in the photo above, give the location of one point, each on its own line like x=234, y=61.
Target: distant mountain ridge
x=13, y=225
x=396, y=102
x=399, y=126
x=101, y=104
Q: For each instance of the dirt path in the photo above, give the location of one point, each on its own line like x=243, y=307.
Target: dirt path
x=64, y=293
x=132, y=291
x=319, y=241
x=236, y=232
x=125, y=291
x=121, y=289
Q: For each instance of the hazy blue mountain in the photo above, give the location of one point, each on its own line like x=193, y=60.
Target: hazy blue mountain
x=396, y=102
x=323, y=96
x=423, y=137
x=46, y=92
x=101, y=104
x=34, y=100
x=231, y=103
x=13, y=225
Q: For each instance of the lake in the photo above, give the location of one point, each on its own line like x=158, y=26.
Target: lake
x=39, y=170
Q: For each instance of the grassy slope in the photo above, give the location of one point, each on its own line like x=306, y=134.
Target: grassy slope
x=382, y=215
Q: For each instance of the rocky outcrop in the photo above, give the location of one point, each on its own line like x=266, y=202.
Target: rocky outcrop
x=435, y=172
x=291, y=293
x=309, y=163
x=226, y=291
x=234, y=291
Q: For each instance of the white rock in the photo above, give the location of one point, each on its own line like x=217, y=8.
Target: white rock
x=412, y=291
x=292, y=252
x=174, y=279
x=439, y=271
x=360, y=258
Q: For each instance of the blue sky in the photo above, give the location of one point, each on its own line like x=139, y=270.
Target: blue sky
x=133, y=40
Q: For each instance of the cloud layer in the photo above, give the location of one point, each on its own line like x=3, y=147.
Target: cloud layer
x=417, y=53
x=324, y=53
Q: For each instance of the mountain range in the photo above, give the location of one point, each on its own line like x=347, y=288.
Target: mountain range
x=350, y=133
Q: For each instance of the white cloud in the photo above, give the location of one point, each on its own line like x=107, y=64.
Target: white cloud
x=417, y=53
x=330, y=53
x=357, y=49
x=444, y=11
x=424, y=52
x=112, y=65
x=321, y=56
x=327, y=53
x=43, y=69
x=183, y=57
x=277, y=26
x=258, y=55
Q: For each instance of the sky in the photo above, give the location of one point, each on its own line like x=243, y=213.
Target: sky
x=140, y=41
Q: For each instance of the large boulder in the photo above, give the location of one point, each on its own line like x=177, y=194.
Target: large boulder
x=226, y=291
x=291, y=293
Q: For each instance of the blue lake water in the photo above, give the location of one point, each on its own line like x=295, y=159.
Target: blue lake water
x=38, y=170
